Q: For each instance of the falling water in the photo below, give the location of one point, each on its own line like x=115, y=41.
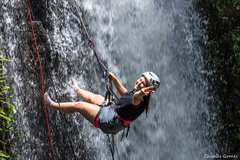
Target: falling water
x=131, y=37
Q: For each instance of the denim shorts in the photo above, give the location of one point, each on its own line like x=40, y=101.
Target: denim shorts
x=108, y=120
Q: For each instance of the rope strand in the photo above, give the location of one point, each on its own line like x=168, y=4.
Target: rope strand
x=90, y=42
x=41, y=79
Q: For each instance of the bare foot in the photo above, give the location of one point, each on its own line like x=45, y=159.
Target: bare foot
x=75, y=85
x=48, y=100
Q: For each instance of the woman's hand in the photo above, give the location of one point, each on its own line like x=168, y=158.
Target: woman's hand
x=141, y=93
x=147, y=90
x=137, y=97
x=112, y=76
x=118, y=85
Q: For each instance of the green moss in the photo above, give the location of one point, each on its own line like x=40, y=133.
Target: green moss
x=7, y=110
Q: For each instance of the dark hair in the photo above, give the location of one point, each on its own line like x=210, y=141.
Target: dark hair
x=146, y=101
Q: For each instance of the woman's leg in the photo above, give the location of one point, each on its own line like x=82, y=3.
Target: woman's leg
x=87, y=96
x=87, y=110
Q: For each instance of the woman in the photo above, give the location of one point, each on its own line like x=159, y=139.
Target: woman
x=118, y=114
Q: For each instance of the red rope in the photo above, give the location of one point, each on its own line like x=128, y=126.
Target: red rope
x=41, y=79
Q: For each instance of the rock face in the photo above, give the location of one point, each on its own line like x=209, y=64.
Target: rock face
x=17, y=42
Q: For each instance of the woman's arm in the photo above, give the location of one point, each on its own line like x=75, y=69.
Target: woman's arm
x=138, y=95
x=118, y=85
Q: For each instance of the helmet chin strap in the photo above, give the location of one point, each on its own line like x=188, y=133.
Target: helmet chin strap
x=135, y=87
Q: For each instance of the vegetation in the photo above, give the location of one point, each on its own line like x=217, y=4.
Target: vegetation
x=7, y=111
x=223, y=59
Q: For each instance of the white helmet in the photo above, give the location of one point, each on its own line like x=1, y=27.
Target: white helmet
x=152, y=79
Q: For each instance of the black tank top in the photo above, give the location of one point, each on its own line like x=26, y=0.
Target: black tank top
x=126, y=109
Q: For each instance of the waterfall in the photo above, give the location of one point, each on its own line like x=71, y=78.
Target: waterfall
x=131, y=37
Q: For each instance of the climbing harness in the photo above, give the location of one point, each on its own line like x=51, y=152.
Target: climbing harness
x=41, y=78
